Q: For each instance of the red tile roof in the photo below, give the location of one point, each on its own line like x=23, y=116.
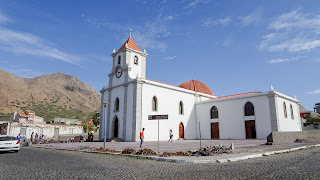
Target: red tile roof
x=29, y=111
x=23, y=114
x=89, y=122
x=197, y=86
x=181, y=87
x=131, y=44
x=209, y=89
x=236, y=95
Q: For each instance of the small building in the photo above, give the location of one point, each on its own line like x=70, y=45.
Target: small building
x=24, y=123
x=67, y=121
x=27, y=116
x=3, y=127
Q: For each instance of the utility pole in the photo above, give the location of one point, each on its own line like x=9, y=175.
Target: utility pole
x=105, y=104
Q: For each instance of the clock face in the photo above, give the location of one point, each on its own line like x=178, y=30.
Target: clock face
x=118, y=72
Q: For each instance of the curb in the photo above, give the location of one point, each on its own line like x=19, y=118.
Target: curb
x=265, y=154
x=168, y=159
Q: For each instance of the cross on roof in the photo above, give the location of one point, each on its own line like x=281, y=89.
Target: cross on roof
x=130, y=32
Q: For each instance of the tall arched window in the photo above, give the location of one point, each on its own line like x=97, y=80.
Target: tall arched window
x=116, y=104
x=214, y=112
x=291, y=110
x=181, y=107
x=285, y=110
x=249, y=109
x=119, y=59
x=154, y=104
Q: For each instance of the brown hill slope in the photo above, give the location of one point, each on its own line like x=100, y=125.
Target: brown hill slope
x=56, y=93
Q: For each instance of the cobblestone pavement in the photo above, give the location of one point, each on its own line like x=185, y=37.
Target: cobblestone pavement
x=34, y=163
x=178, y=145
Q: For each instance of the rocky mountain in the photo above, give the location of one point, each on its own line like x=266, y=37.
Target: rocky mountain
x=47, y=95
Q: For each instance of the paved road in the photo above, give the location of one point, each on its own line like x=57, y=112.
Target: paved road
x=32, y=163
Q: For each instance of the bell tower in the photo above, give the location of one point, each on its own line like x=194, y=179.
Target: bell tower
x=129, y=63
x=121, y=99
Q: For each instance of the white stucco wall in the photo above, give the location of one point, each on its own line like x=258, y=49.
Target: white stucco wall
x=129, y=112
x=168, y=103
x=136, y=70
x=288, y=124
x=231, y=116
x=117, y=92
x=43, y=129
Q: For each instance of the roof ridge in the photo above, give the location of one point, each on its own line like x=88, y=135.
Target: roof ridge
x=131, y=44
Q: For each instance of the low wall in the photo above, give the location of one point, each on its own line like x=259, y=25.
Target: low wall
x=69, y=136
x=290, y=137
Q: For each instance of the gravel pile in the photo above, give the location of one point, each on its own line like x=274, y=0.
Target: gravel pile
x=211, y=150
x=146, y=152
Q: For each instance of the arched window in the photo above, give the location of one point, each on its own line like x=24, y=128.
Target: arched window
x=249, y=109
x=291, y=110
x=154, y=104
x=119, y=60
x=285, y=110
x=181, y=107
x=135, y=60
x=116, y=104
x=214, y=112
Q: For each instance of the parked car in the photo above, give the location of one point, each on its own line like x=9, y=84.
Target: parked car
x=9, y=143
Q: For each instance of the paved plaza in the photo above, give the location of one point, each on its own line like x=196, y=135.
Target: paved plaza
x=39, y=163
x=244, y=149
x=165, y=146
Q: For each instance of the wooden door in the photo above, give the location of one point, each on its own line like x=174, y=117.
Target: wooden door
x=56, y=132
x=181, y=130
x=116, y=128
x=250, y=129
x=215, y=130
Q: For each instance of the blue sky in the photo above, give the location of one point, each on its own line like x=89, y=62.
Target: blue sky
x=232, y=46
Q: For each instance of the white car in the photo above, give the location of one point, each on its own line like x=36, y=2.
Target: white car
x=9, y=143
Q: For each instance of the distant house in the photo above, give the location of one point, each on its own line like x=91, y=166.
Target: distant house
x=24, y=123
x=27, y=116
x=89, y=123
x=3, y=127
x=67, y=121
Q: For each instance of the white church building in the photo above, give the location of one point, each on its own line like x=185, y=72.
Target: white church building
x=191, y=107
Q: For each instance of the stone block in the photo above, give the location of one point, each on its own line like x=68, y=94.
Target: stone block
x=290, y=137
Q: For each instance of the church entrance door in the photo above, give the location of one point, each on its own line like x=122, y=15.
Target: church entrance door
x=215, y=130
x=250, y=129
x=115, y=127
x=181, y=130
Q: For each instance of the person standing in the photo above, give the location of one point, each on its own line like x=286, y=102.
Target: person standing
x=141, y=137
x=40, y=140
x=19, y=137
x=170, y=135
x=31, y=137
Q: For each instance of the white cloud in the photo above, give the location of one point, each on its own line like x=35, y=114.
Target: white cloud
x=4, y=18
x=150, y=35
x=26, y=43
x=314, y=92
x=195, y=3
x=292, y=32
x=280, y=60
x=252, y=18
x=170, y=57
x=298, y=20
x=211, y=22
